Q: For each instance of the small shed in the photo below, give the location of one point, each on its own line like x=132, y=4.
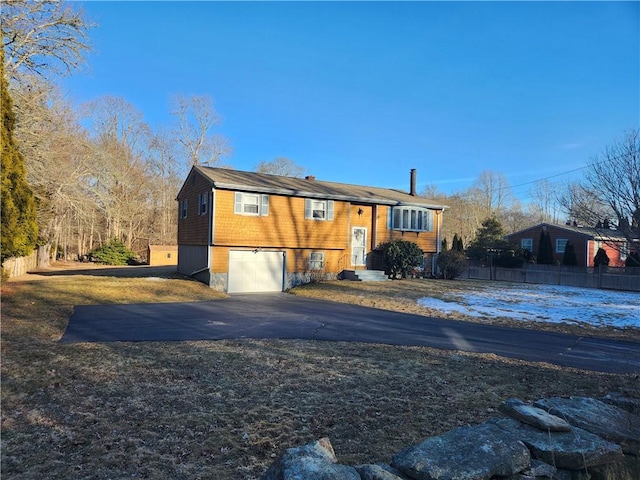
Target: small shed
x=159, y=255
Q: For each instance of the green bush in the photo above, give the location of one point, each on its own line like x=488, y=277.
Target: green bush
x=451, y=264
x=569, y=258
x=633, y=260
x=514, y=258
x=401, y=257
x=113, y=253
x=601, y=259
x=545, y=249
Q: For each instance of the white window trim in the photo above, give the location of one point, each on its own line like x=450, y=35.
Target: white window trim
x=529, y=242
x=328, y=207
x=411, y=219
x=318, y=262
x=240, y=204
x=560, y=241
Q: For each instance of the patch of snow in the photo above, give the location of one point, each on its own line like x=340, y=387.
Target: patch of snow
x=545, y=303
x=156, y=279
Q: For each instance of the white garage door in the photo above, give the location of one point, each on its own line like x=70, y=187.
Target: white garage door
x=251, y=271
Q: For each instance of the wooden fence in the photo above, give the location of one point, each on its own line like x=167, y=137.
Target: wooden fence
x=39, y=258
x=603, y=277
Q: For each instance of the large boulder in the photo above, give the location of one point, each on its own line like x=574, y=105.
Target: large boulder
x=608, y=421
x=574, y=450
x=533, y=416
x=314, y=461
x=466, y=453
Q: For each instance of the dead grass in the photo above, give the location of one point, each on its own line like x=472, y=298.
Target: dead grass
x=226, y=409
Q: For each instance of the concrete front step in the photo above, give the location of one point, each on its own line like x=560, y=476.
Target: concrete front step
x=365, y=275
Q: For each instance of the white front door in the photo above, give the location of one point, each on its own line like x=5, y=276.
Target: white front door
x=359, y=246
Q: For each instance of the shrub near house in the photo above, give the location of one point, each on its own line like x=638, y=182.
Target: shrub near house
x=401, y=258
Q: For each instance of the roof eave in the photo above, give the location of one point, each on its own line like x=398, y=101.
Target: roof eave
x=322, y=195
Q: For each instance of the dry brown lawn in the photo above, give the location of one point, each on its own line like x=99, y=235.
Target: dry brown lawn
x=226, y=409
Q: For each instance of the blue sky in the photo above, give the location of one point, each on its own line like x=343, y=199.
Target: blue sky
x=361, y=92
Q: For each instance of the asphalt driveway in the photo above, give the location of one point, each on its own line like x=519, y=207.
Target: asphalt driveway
x=287, y=316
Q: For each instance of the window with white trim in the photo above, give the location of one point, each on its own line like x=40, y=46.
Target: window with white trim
x=624, y=251
x=316, y=261
x=414, y=219
x=561, y=244
x=202, y=203
x=318, y=209
x=184, y=208
x=251, y=204
x=526, y=244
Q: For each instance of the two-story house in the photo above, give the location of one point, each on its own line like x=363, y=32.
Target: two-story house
x=252, y=232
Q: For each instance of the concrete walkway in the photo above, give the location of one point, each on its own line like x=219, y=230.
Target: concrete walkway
x=287, y=316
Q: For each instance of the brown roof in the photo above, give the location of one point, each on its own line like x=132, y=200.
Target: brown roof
x=226, y=179
x=600, y=234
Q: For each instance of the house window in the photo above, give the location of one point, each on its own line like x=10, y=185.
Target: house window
x=414, y=219
x=624, y=251
x=316, y=261
x=318, y=209
x=168, y=255
x=527, y=244
x=202, y=203
x=184, y=206
x=251, y=204
x=561, y=243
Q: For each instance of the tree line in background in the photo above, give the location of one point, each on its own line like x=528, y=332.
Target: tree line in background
x=98, y=171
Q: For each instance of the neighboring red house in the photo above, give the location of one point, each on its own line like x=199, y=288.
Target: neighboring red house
x=586, y=240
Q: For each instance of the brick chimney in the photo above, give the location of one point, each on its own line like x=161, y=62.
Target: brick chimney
x=412, y=189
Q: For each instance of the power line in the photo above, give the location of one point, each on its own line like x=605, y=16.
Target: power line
x=564, y=173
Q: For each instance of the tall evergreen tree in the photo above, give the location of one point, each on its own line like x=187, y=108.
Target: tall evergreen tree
x=457, y=243
x=19, y=227
x=545, y=249
x=489, y=240
x=569, y=258
x=601, y=259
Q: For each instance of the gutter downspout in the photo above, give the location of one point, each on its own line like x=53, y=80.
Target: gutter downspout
x=434, y=260
x=210, y=233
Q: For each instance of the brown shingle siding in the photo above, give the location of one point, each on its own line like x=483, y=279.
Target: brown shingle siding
x=285, y=228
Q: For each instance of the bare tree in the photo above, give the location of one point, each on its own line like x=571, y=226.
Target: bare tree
x=164, y=167
x=196, y=117
x=42, y=37
x=460, y=218
x=545, y=205
x=281, y=166
x=610, y=190
x=120, y=180
x=493, y=193
x=56, y=150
